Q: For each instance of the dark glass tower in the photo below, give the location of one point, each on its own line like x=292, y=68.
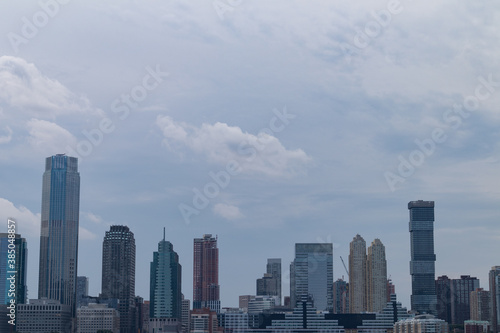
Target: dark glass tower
x=118, y=273
x=206, y=287
x=165, y=285
x=59, y=230
x=422, y=264
x=270, y=284
x=21, y=256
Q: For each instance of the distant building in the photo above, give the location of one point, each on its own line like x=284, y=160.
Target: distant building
x=421, y=324
x=235, y=320
x=311, y=275
x=204, y=321
x=44, y=315
x=460, y=298
x=480, y=305
x=164, y=325
x=118, y=273
x=443, y=292
x=475, y=326
x=261, y=303
x=376, y=277
x=270, y=283
x=82, y=289
x=18, y=248
x=206, y=289
x=357, y=275
x=95, y=317
x=340, y=296
x=385, y=319
x=244, y=300
x=145, y=317
x=423, y=258
x=186, y=308
x=494, y=277
x=391, y=289
x=165, y=284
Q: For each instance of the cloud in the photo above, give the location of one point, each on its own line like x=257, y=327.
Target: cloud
x=92, y=217
x=228, y=212
x=24, y=87
x=49, y=138
x=220, y=143
x=8, y=137
x=84, y=234
x=27, y=222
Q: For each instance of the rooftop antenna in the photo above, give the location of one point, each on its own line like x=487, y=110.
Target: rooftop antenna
x=163, y=233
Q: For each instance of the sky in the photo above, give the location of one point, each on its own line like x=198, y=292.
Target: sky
x=266, y=123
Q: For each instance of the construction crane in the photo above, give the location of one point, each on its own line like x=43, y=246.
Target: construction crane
x=343, y=263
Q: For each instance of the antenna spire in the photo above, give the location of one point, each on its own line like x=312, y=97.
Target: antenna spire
x=163, y=233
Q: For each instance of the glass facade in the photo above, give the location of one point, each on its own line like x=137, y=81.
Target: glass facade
x=59, y=230
x=422, y=264
x=311, y=275
x=21, y=256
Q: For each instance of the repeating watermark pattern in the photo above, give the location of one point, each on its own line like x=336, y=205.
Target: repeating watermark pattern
x=371, y=30
x=222, y=178
x=454, y=118
x=121, y=108
x=32, y=26
x=11, y=271
x=223, y=6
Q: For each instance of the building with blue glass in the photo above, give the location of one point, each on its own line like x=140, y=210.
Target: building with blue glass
x=165, y=283
x=20, y=263
x=311, y=275
x=423, y=259
x=59, y=230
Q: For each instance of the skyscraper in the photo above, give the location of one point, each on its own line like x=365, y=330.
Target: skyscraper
x=59, y=230
x=206, y=289
x=82, y=289
x=270, y=283
x=340, y=296
x=311, y=275
x=357, y=275
x=165, y=285
x=422, y=264
x=118, y=273
x=494, y=276
x=376, y=277
x=443, y=293
x=21, y=256
x=460, y=298
x=480, y=305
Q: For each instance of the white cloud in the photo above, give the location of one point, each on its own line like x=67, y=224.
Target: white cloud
x=92, y=217
x=24, y=87
x=8, y=137
x=49, y=138
x=84, y=234
x=28, y=223
x=221, y=143
x=228, y=212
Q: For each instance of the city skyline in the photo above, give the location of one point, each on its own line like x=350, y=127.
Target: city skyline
x=268, y=125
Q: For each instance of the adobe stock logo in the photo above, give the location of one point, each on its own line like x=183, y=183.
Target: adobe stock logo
x=31, y=26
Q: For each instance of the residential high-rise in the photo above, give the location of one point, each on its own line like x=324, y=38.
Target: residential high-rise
x=82, y=289
x=19, y=267
x=270, y=284
x=391, y=289
x=118, y=273
x=460, y=298
x=340, y=296
x=357, y=275
x=311, y=275
x=186, y=308
x=443, y=292
x=480, y=305
x=206, y=289
x=422, y=264
x=165, y=284
x=376, y=277
x=494, y=277
x=59, y=230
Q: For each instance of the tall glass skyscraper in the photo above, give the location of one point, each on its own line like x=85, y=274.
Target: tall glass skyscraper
x=118, y=273
x=311, y=275
x=206, y=289
x=21, y=256
x=165, y=285
x=59, y=230
x=422, y=264
x=494, y=277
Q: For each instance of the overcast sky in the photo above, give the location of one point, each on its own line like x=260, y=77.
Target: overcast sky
x=319, y=120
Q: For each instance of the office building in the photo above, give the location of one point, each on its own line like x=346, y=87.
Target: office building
x=97, y=317
x=480, y=305
x=206, y=289
x=165, y=285
x=494, y=277
x=475, y=326
x=118, y=273
x=391, y=289
x=376, y=277
x=82, y=289
x=44, y=315
x=59, y=230
x=422, y=264
x=261, y=303
x=443, y=292
x=164, y=325
x=270, y=283
x=17, y=247
x=460, y=298
x=243, y=301
x=357, y=275
x=204, y=321
x=186, y=308
x=421, y=324
x=311, y=275
x=340, y=296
